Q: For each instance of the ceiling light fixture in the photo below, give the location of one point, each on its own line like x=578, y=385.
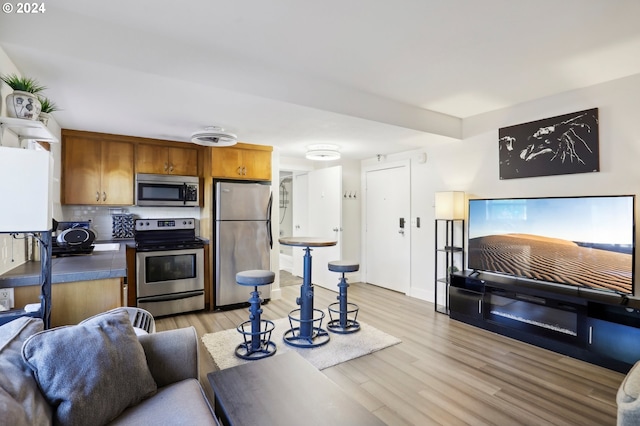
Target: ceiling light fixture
x=323, y=152
x=214, y=136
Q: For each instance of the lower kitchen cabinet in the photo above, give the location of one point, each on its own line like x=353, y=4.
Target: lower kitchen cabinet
x=75, y=301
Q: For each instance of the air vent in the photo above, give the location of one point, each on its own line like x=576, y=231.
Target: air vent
x=214, y=136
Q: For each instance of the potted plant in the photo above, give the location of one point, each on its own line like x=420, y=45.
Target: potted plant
x=48, y=106
x=23, y=102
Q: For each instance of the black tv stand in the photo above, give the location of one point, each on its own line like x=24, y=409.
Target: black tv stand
x=594, y=326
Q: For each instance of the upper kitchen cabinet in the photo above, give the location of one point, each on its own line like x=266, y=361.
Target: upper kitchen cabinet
x=157, y=159
x=242, y=161
x=96, y=170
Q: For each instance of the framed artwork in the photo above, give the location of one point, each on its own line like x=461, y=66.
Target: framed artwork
x=560, y=145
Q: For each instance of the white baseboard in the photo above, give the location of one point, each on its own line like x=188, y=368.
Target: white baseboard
x=421, y=294
x=276, y=293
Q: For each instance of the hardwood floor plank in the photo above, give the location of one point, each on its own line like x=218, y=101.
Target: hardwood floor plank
x=444, y=372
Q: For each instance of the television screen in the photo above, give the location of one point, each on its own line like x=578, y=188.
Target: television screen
x=580, y=241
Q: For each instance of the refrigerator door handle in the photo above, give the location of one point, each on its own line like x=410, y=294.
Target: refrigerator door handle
x=269, y=220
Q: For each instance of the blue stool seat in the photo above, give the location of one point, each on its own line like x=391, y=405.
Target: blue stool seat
x=347, y=313
x=255, y=277
x=256, y=332
x=343, y=266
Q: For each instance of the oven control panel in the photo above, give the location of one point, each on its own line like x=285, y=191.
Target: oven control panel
x=165, y=224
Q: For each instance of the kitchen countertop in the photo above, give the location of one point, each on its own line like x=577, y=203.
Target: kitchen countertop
x=96, y=266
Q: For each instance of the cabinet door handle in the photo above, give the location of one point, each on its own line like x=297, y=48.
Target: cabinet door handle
x=479, y=306
x=171, y=168
x=244, y=170
x=104, y=196
x=166, y=166
x=590, y=334
x=97, y=195
x=240, y=170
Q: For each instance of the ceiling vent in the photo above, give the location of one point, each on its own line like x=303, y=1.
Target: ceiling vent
x=214, y=136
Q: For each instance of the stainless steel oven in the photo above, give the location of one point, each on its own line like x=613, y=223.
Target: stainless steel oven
x=169, y=266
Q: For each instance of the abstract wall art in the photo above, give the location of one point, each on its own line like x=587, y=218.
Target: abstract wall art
x=560, y=145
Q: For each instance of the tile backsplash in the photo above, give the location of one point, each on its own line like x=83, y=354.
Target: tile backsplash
x=102, y=222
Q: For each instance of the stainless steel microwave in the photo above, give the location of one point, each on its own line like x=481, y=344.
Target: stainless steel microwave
x=167, y=190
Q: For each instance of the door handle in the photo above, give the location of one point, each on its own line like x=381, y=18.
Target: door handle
x=402, y=222
x=104, y=196
x=97, y=195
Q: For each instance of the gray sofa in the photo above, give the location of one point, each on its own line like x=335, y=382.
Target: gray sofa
x=628, y=398
x=99, y=372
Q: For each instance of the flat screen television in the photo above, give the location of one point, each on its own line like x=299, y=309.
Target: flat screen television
x=579, y=241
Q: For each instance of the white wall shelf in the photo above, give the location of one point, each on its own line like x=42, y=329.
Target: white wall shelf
x=27, y=129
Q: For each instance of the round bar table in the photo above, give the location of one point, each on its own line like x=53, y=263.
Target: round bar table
x=307, y=335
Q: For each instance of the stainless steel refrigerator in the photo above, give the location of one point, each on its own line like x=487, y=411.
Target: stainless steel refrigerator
x=242, y=236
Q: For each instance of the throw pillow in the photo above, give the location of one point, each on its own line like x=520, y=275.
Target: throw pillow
x=92, y=371
x=21, y=402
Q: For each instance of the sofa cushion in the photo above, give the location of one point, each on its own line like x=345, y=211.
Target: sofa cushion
x=181, y=403
x=21, y=402
x=92, y=371
x=628, y=398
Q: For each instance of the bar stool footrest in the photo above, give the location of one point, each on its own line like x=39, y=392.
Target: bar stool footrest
x=350, y=317
x=318, y=336
x=247, y=349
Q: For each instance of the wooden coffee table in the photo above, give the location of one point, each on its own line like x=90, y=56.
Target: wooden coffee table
x=283, y=390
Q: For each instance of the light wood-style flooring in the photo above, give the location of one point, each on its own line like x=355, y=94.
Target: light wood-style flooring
x=444, y=372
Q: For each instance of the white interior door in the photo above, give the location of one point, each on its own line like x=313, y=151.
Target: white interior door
x=300, y=218
x=325, y=221
x=317, y=212
x=388, y=245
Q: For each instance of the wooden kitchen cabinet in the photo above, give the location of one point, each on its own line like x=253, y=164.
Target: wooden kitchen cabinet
x=158, y=159
x=75, y=301
x=242, y=163
x=96, y=171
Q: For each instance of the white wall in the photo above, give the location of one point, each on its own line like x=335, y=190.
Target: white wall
x=15, y=251
x=471, y=165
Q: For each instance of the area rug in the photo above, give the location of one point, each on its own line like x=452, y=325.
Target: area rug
x=340, y=348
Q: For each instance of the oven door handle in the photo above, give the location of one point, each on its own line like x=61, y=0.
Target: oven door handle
x=169, y=297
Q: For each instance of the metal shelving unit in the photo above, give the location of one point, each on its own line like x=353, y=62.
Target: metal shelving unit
x=450, y=257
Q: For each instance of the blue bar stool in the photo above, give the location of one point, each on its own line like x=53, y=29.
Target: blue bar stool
x=256, y=332
x=346, y=312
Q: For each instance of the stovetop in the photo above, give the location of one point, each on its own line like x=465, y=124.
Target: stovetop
x=166, y=234
x=158, y=245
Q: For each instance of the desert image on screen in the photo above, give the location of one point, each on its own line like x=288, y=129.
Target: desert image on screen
x=555, y=260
